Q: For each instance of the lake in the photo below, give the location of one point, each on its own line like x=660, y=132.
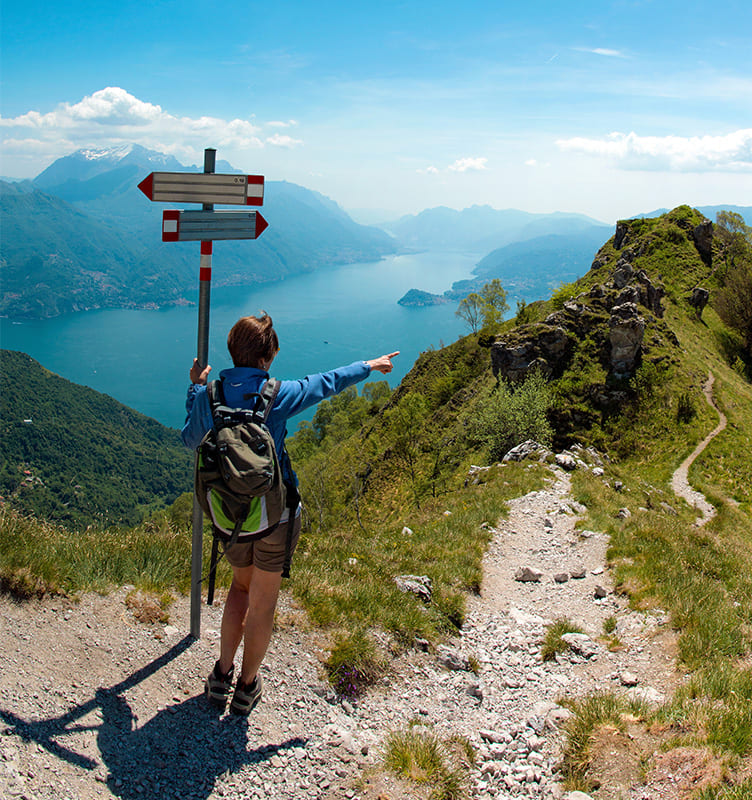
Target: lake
x=323, y=320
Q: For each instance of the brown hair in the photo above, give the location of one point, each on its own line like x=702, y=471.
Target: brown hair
x=252, y=340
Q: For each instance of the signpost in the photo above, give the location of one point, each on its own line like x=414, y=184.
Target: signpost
x=203, y=187
x=199, y=226
x=205, y=226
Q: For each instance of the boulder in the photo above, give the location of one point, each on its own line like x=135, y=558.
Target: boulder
x=702, y=235
x=623, y=273
x=528, y=575
x=452, y=659
x=566, y=461
x=622, y=228
x=527, y=449
x=419, y=585
x=581, y=644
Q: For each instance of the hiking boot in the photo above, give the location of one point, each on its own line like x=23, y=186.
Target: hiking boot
x=217, y=687
x=246, y=696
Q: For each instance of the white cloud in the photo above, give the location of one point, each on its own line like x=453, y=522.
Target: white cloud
x=731, y=153
x=601, y=51
x=278, y=140
x=428, y=171
x=605, y=51
x=466, y=164
x=291, y=123
x=113, y=116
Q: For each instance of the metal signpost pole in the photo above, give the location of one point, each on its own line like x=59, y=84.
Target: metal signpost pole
x=204, y=296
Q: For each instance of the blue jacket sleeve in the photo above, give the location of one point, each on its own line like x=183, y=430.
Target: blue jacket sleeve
x=198, y=419
x=296, y=396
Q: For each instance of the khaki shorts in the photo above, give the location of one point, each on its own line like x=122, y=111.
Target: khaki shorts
x=268, y=553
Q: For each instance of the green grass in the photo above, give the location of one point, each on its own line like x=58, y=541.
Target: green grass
x=354, y=664
x=38, y=558
x=345, y=577
x=589, y=713
x=419, y=755
x=742, y=791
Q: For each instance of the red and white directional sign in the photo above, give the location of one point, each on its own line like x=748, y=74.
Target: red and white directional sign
x=206, y=226
x=202, y=187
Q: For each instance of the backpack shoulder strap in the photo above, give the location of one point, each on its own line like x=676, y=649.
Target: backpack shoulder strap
x=216, y=395
x=267, y=396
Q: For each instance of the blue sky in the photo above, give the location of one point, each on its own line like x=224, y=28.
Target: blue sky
x=605, y=108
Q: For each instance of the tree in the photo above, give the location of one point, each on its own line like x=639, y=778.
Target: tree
x=733, y=301
x=470, y=309
x=494, y=305
x=487, y=307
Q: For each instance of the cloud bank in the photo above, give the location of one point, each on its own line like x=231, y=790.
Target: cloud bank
x=729, y=153
x=113, y=115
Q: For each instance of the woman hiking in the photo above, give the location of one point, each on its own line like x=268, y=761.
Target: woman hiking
x=257, y=565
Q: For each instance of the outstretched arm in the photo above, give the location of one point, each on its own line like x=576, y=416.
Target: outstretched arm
x=382, y=364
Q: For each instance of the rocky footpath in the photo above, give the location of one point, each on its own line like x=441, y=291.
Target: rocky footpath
x=94, y=704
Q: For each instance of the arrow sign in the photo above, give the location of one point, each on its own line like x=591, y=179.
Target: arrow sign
x=202, y=187
x=205, y=226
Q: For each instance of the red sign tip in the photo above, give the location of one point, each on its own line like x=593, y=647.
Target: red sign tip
x=147, y=185
x=261, y=224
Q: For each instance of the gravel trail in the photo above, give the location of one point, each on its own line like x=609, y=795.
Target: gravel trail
x=94, y=704
x=679, y=480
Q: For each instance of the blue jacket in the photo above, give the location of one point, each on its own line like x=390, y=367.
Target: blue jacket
x=293, y=397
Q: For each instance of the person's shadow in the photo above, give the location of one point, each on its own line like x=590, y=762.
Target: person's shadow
x=178, y=753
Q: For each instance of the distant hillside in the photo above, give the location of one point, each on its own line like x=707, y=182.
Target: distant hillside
x=56, y=259
x=82, y=235
x=533, y=268
x=482, y=228
x=75, y=456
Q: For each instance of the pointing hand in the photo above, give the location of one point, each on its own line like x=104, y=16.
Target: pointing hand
x=383, y=364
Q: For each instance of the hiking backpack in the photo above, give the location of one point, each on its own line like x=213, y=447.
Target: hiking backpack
x=238, y=475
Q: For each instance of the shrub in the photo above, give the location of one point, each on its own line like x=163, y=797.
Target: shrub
x=511, y=414
x=686, y=410
x=562, y=294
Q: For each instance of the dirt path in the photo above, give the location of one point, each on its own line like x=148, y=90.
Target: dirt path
x=679, y=480
x=95, y=705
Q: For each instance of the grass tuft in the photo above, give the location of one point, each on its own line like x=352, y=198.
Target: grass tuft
x=354, y=664
x=552, y=642
x=420, y=756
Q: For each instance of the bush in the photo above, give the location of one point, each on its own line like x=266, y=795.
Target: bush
x=511, y=414
x=686, y=410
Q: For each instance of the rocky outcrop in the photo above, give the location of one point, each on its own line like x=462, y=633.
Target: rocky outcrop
x=627, y=329
x=608, y=314
x=542, y=346
x=702, y=235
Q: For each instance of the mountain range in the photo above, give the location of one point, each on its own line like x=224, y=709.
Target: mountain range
x=483, y=228
x=81, y=235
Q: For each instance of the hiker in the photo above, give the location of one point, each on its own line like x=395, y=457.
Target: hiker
x=257, y=565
